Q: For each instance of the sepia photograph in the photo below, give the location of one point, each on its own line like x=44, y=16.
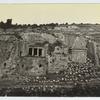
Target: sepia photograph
x=50, y=50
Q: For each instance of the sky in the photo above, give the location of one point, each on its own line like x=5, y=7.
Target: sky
x=48, y=13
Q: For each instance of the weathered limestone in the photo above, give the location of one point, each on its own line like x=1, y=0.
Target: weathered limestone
x=29, y=55
x=33, y=66
x=57, y=62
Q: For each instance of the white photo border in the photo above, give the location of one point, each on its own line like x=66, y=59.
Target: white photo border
x=49, y=1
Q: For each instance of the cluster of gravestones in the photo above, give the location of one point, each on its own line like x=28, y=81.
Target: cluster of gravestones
x=81, y=72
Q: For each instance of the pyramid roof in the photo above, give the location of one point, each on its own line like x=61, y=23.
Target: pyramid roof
x=79, y=43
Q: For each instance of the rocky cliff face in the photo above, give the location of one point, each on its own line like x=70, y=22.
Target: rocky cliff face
x=8, y=56
x=55, y=59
